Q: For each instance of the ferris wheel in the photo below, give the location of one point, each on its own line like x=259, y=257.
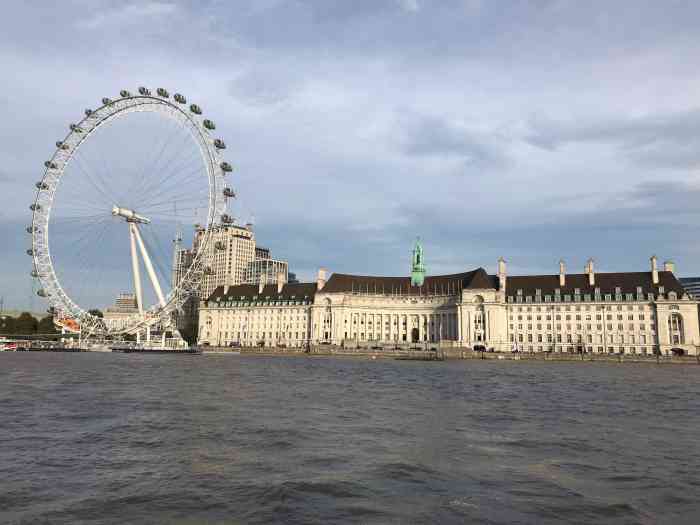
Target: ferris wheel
x=115, y=194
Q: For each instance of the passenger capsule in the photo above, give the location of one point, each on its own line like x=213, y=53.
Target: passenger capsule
x=30, y=229
x=194, y=108
x=225, y=166
x=34, y=274
x=220, y=245
x=124, y=93
x=162, y=93
x=50, y=165
x=30, y=252
x=228, y=192
x=76, y=128
x=42, y=293
x=41, y=185
x=220, y=144
x=145, y=92
x=208, y=270
x=106, y=101
x=88, y=112
x=209, y=124
x=35, y=207
x=226, y=219
x=61, y=145
x=180, y=98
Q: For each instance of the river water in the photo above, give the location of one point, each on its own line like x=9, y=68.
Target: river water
x=115, y=438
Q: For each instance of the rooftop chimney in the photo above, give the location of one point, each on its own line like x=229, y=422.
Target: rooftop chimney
x=590, y=272
x=654, y=270
x=501, y=273
x=280, y=281
x=669, y=266
x=321, y=279
x=562, y=274
x=262, y=283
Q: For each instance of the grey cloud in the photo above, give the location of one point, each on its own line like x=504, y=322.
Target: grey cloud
x=339, y=115
x=432, y=136
x=671, y=139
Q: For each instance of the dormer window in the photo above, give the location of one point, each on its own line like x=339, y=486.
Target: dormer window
x=577, y=291
x=618, y=290
x=662, y=289
x=520, y=292
x=639, y=290
x=538, y=292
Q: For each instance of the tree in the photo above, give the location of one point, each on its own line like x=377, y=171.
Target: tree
x=96, y=312
x=46, y=326
x=7, y=325
x=26, y=324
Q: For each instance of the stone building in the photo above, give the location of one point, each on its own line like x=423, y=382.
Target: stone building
x=627, y=312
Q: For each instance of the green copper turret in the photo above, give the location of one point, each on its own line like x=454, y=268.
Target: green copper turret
x=418, y=265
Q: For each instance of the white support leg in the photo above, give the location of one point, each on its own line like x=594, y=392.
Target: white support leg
x=149, y=266
x=135, y=268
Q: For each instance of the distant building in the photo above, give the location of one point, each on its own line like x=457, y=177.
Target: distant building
x=232, y=248
x=125, y=306
x=692, y=285
x=292, y=278
x=262, y=253
x=265, y=271
x=603, y=313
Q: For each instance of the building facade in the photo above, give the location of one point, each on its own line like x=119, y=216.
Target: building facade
x=628, y=312
x=265, y=271
x=232, y=249
x=691, y=285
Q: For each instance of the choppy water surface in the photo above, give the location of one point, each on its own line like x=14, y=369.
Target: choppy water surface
x=111, y=438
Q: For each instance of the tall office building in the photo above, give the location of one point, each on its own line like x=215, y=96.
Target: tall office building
x=231, y=249
x=266, y=270
x=691, y=285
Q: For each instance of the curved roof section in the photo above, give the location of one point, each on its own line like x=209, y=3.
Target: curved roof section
x=433, y=284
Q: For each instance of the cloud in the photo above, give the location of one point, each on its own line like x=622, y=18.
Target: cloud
x=429, y=136
x=411, y=6
x=129, y=14
x=666, y=139
x=547, y=130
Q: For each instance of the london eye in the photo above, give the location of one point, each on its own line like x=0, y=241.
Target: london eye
x=126, y=177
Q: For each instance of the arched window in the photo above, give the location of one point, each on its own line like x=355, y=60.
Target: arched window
x=675, y=329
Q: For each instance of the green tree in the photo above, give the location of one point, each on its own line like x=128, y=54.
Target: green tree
x=96, y=312
x=46, y=326
x=7, y=325
x=26, y=324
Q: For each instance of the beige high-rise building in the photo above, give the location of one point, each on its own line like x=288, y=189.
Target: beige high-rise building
x=231, y=249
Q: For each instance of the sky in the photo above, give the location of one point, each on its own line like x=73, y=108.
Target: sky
x=536, y=131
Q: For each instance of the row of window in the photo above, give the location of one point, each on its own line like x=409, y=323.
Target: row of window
x=578, y=338
x=589, y=327
x=589, y=317
x=633, y=350
x=587, y=308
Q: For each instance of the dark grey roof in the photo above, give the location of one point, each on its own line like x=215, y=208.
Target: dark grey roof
x=433, y=284
x=606, y=282
x=297, y=291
